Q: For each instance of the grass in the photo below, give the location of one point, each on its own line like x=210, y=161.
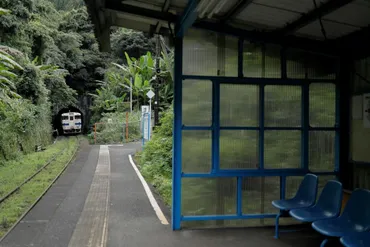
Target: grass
x=19, y=170
x=161, y=181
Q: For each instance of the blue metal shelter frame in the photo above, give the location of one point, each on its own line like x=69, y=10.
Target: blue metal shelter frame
x=239, y=174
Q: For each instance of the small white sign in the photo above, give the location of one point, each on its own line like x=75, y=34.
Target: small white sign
x=150, y=94
x=144, y=109
x=110, y=120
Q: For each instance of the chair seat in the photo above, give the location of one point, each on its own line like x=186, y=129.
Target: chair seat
x=311, y=214
x=356, y=240
x=290, y=204
x=336, y=227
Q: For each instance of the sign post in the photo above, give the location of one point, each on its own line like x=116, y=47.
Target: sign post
x=146, y=117
x=150, y=95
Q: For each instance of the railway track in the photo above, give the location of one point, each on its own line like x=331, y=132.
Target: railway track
x=38, y=172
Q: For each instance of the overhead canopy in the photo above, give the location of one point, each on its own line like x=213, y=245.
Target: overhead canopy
x=329, y=24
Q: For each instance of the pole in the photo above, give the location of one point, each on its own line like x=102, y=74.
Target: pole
x=131, y=94
x=126, y=126
x=156, y=86
x=150, y=105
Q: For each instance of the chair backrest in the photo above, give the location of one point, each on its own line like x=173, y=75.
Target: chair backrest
x=307, y=190
x=357, y=209
x=330, y=199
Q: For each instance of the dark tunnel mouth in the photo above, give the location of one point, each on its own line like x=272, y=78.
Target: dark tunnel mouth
x=57, y=120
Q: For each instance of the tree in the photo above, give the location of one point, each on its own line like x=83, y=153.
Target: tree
x=134, y=43
x=7, y=65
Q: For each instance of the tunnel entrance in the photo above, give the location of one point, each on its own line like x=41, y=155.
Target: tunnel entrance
x=57, y=119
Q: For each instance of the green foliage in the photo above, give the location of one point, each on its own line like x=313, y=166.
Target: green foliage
x=7, y=76
x=115, y=89
x=156, y=159
x=134, y=43
x=13, y=173
x=23, y=126
x=67, y=4
x=112, y=128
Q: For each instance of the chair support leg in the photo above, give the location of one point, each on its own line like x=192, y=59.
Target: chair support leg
x=277, y=225
x=324, y=242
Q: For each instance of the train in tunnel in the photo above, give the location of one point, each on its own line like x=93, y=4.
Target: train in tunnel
x=71, y=123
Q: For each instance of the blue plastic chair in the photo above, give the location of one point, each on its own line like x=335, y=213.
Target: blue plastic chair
x=354, y=219
x=305, y=197
x=328, y=205
x=356, y=240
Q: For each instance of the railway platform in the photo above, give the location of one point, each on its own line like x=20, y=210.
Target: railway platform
x=101, y=200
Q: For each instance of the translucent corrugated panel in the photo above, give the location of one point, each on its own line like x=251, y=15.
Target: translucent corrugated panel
x=322, y=151
x=282, y=149
x=209, y=53
x=283, y=106
x=361, y=176
x=252, y=60
x=231, y=56
x=196, y=151
x=258, y=193
x=208, y=196
x=239, y=105
x=200, y=53
x=197, y=103
x=272, y=68
x=291, y=185
x=239, y=149
x=322, y=105
x=301, y=64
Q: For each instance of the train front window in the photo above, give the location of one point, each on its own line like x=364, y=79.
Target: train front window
x=64, y=117
x=71, y=118
x=78, y=117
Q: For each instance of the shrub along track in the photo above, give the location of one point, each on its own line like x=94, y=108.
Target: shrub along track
x=32, y=189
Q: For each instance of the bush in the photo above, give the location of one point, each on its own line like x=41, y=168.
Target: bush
x=156, y=158
x=115, y=131
x=22, y=127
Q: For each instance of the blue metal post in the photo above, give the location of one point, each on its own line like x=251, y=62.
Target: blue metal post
x=262, y=126
x=282, y=187
x=282, y=196
x=215, y=126
x=239, y=196
x=337, y=125
x=177, y=137
x=305, y=126
x=188, y=18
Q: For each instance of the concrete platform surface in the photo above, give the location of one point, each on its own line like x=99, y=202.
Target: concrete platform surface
x=100, y=201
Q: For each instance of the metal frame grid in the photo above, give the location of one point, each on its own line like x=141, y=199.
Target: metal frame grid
x=215, y=128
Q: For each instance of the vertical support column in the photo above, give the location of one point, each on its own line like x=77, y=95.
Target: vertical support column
x=220, y=183
x=342, y=140
x=239, y=196
x=305, y=126
x=177, y=137
x=240, y=57
x=261, y=144
x=215, y=126
x=282, y=187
